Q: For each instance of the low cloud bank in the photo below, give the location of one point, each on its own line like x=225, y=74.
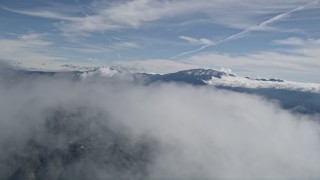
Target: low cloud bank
x=55, y=128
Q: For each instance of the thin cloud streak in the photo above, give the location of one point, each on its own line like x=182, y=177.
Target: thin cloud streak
x=195, y=41
x=243, y=33
x=128, y=15
x=44, y=14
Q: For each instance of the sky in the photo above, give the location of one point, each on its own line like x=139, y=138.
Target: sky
x=258, y=38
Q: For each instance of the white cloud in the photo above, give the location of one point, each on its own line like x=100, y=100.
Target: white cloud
x=300, y=64
x=46, y=14
x=125, y=45
x=196, y=132
x=134, y=14
x=300, y=42
x=106, y=48
x=305, y=47
x=249, y=15
x=29, y=50
x=289, y=66
x=195, y=41
x=243, y=82
x=290, y=41
x=154, y=65
x=261, y=26
x=34, y=50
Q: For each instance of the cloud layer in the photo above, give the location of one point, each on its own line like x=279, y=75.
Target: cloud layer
x=191, y=132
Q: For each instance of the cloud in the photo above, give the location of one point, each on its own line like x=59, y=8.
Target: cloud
x=154, y=66
x=35, y=39
x=261, y=26
x=120, y=16
x=299, y=42
x=125, y=45
x=298, y=64
x=135, y=14
x=290, y=41
x=243, y=82
x=284, y=65
x=112, y=47
x=307, y=47
x=184, y=132
x=194, y=41
x=40, y=51
x=29, y=50
x=45, y=14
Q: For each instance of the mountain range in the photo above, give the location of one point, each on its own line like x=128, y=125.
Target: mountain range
x=299, y=97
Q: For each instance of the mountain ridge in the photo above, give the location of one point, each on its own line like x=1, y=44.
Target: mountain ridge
x=197, y=76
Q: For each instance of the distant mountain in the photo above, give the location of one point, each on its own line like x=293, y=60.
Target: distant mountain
x=192, y=76
x=299, y=97
x=200, y=77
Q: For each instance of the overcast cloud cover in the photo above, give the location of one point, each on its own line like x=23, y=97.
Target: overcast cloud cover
x=189, y=132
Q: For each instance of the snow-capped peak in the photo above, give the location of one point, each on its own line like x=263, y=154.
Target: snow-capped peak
x=205, y=74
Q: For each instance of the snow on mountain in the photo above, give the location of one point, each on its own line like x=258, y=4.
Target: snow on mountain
x=204, y=77
x=191, y=76
x=205, y=73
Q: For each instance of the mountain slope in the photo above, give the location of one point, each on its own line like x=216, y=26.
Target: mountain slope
x=192, y=76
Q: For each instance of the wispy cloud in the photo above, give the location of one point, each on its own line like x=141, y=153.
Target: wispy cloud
x=134, y=14
x=286, y=65
x=154, y=65
x=298, y=64
x=261, y=26
x=195, y=41
x=28, y=50
x=34, y=50
x=147, y=24
x=89, y=48
x=45, y=14
x=308, y=47
x=295, y=41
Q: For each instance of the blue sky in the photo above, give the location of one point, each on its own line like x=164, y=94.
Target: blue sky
x=252, y=37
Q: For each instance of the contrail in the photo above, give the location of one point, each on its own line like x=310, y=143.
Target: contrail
x=252, y=28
